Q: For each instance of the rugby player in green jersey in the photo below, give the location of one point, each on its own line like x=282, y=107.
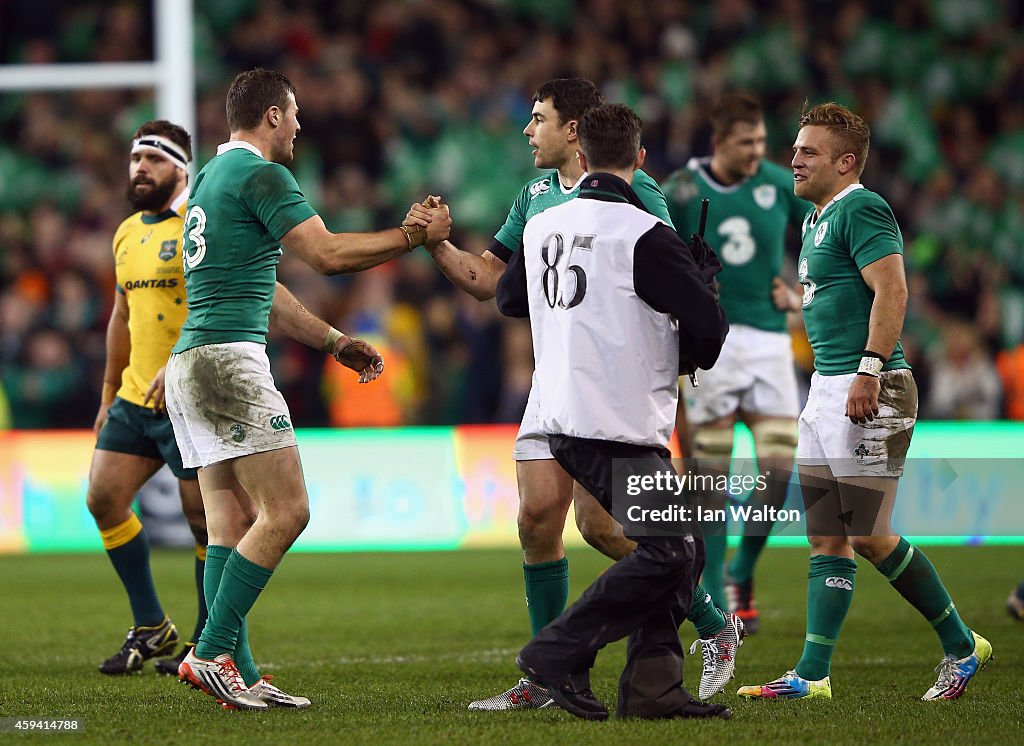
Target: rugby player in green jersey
x=229, y=418
x=545, y=489
x=856, y=427
x=751, y=204
x=133, y=434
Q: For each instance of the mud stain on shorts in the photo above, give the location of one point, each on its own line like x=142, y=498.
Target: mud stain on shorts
x=221, y=387
x=897, y=404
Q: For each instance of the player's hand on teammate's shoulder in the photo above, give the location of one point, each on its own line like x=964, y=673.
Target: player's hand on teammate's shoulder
x=155, y=392
x=862, y=399
x=783, y=296
x=360, y=356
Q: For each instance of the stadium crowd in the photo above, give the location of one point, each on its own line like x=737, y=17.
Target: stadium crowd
x=402, y=98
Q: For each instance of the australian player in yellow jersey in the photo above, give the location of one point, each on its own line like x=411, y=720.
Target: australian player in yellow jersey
x=134, y=435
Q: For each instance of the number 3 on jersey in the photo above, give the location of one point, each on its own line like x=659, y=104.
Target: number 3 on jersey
x=739, y=246
x=575, y=278
x=195, y=244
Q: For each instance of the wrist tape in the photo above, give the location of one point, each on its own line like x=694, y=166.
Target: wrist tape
x=871, y=364
x=333, y=335
x=415, y=236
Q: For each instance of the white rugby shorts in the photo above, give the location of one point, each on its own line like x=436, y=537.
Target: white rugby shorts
x=754, y=373
x=531, y=444
x=223, y=403
x=874, y=449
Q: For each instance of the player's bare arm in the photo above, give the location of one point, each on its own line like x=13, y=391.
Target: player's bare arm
x=477, y=274
x=119, y=346
x=785, y=296
x=291, y=318
x=887, y=280
x=341, y=253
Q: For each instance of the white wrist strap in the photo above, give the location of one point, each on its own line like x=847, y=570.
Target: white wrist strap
x=870, y=366
x=333, y=335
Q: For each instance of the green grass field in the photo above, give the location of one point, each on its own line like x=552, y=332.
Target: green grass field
x=391, y=648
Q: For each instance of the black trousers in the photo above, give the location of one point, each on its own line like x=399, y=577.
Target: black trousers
x=646, y=595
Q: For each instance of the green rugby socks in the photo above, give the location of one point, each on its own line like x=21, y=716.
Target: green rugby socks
x=547, y=590
x=911, y=573
x=706, y=617
x=829, y=595
x=714, y=562
x=200, y=570
x=216, y=560
x=741, y=567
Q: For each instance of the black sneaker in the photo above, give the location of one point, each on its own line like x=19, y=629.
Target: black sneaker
x=579, y=702
x=169, y=666
x=142, y=643
x=695, y=709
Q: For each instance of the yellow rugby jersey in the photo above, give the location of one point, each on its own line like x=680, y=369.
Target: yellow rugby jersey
x=147, y=258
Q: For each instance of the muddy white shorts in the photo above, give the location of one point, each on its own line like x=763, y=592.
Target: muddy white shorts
x=874, y=449
x=754, y=373
x=223, y=403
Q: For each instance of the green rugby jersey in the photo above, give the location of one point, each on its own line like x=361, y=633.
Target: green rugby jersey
x=547, y=191
x=240, y=207
x=855, y=229
x=747, y=229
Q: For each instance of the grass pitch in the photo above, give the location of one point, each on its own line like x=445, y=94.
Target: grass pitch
x=391, y=648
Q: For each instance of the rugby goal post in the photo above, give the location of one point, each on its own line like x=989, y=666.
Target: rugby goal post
x=171, y=73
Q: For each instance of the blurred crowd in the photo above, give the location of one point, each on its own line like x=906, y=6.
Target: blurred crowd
x=400, y=98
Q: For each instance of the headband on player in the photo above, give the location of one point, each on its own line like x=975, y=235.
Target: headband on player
x=165, y=147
